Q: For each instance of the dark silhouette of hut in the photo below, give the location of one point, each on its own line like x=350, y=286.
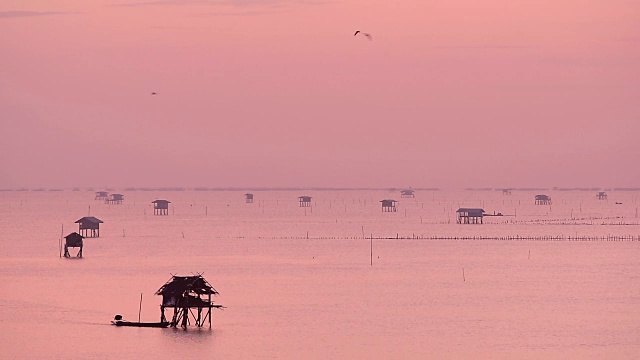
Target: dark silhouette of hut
x=161, y=207
x=470, y=216
x=248, y=198
x=543, y=200
x=89, y=226
x=506, y=191
x=389, y=205
x=73, y=240
x=305, y=201
x=115, y=199
x=101, y=195
x=183, y=293
x=407, y=194
x=601, y=195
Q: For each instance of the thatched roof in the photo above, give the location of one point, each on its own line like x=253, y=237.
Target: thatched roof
x=89, y=219
x=472, y=212
x=179, y=285
x=74, y=235
x=161, y=202
x=74, y=239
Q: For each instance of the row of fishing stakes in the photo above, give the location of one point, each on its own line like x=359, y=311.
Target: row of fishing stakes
x=161, y=207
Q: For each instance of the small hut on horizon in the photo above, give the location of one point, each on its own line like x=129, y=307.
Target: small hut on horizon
x=601, y=195
x=73, y=240
x=161, y=207
x=115, y=199
x=407, y=193
x=543, y=200
x=184, y=293
x=506, y=191
x=470, y=216
x=305, y=201
x=89, y=226
x=389, y=205
x=101, y=195
x=248, y=198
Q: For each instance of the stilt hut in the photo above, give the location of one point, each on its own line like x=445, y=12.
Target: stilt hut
x=601, y=195
x=543, y=200
x=407, y=194
x=389, y=205
x=73, y=240
x=506, y=191
x=102, y=195
x=305, y=201
x=115, y=199
x=470, y=216
x=187, y=295
x=89, y=226
x=248, y=198
x=161, y=207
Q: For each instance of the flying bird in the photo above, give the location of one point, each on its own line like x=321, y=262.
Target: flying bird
x=154, y=93
x=363, y=33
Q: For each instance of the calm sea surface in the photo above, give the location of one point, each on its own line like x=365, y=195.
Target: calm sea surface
x=298, y=283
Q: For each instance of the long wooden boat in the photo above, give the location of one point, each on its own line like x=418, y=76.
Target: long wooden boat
x=141, y=324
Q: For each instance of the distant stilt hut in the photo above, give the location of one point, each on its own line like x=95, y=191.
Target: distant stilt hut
x=161, y=207
x=470, y=216
x=543, y=200
x=89, y=226
x=506, y=191
x=248, y=198
x=115, y=199
x=305, y=201
x=73, y=240
x=601, y=195
x=389, y=205
x=184, y=293
x=102, y=195
x=407, y=194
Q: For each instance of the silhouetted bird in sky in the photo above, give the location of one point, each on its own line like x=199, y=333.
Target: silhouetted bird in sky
x=154, y=93
x=365, y=34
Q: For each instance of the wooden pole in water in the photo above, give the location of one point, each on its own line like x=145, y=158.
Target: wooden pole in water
x=60, y=242
x=140, y=308
x=463, y=279
x=371, y=249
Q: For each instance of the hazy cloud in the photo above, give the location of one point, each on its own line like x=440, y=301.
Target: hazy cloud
x=239, y=13
x=161, y=3
x=238, y=3
x=629, y=39
x=18, y=14
x=506, y=47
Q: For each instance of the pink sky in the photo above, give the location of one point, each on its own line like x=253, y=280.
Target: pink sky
x=449, y=94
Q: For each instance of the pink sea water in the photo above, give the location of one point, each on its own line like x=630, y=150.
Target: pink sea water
x=299, y=283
